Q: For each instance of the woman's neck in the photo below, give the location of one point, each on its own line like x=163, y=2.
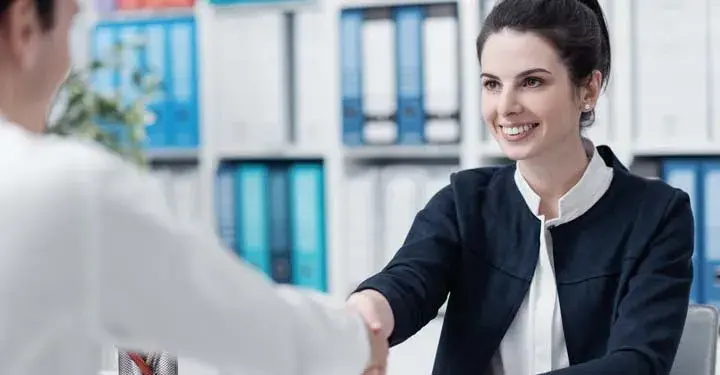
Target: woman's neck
x=552, y=174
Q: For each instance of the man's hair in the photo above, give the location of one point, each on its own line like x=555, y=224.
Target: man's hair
x=45, y=10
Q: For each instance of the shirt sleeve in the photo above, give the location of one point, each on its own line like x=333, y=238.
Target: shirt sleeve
x=159, y=283
x=647, y=328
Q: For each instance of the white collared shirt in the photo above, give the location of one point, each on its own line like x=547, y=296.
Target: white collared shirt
x=91, y=255
x=535, y=341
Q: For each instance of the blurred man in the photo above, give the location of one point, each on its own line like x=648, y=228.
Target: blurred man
x=90, y=256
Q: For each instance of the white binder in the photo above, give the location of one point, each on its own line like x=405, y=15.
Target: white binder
x=251, y=87
x=379, y=80
x=361, y=231
x=441, y=76
x=671, y=71
x=314, y=62
x=715, y=58
x=403, y=196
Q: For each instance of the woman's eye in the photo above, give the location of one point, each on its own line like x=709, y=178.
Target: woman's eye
x=532, y=82
x=491, y=85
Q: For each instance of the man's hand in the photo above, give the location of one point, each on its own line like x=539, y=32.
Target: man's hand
x=379, y=352
x=376, y=311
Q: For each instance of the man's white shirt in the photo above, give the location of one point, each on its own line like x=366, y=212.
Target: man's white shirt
x=91, y=256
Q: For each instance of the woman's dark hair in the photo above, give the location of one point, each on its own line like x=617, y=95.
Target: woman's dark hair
x=577, y=29
x=45, y=10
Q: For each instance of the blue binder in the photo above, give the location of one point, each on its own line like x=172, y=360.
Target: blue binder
x=252, y=217
x=182, y=85
x=280, y=241
x=263, y=3
x=308, y=225
x=130, y=33
x=411, y=114
x=105, y=81
x=155, y=63
x=351, y=76
x=224, y=204
x=686, y=175
x=711, y=230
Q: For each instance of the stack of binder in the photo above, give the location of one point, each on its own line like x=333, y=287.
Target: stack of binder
x=400, y=75
x=700, y=178
x=169, y=53
x=383, y=203
x=272, y=214
x=110, y=6
x=250, y=78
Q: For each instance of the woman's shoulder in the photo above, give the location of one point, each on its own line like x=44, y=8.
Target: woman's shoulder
x=481, y=180
x=646, y=192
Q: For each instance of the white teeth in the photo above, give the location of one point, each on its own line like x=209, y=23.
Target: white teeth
x=516, y=129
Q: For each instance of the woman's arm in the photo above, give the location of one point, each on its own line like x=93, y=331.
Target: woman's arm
x=649, y=323
x=416, y=281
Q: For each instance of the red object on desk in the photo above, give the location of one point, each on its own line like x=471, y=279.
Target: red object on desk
x=140, y=363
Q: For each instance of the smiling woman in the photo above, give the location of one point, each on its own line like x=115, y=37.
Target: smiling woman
x=563, y=262
x=542, y=74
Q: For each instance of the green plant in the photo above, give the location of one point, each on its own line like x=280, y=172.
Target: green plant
x=112, y=120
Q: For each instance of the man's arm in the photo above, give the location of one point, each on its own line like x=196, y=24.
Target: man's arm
x=164, y=284
x=646, y=333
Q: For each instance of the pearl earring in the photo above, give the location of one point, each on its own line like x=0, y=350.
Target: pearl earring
x=587, y=107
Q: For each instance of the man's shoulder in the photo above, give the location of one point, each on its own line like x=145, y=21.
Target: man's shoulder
x=57, y=163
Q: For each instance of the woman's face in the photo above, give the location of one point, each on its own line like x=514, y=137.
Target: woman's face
x=528, y=100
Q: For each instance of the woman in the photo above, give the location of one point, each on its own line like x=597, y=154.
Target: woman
x=561, y=263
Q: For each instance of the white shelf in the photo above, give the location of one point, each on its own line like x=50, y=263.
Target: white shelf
x=173, y=155
x=141, y=14
x=258, y=153
x=390, y=3
x=669, y=148
x=402, y=152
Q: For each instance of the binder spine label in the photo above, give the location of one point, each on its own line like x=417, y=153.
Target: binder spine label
x=351, y=76
x=106, y=80
x=224, y=206
x=441, y=77
x=686, y=175
x=410, y=115
x=155, y=64
x=711, y=231
x=184, y=117
x=252, y=212
x=280, y=246
x=308, y=229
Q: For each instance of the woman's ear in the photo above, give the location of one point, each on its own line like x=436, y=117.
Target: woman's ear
x=591, y=91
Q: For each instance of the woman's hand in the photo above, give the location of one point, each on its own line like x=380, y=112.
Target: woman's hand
x=375, y=309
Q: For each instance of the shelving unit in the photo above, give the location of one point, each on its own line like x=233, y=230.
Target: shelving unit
x=270, y=88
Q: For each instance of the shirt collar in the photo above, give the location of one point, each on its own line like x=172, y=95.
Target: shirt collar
x=594, y=182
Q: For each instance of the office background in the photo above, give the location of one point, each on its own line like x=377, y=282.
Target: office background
x=309, y=133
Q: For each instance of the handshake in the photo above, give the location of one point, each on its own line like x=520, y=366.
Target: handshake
x=377, y=314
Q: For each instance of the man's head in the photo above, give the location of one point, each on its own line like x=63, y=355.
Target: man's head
x=34, y=55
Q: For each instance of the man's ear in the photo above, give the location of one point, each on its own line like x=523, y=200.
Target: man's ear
x=20, y=31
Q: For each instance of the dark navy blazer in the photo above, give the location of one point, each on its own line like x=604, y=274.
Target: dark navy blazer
x=623, y=272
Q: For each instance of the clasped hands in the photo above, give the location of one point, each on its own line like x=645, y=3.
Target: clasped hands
x=377, y=314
